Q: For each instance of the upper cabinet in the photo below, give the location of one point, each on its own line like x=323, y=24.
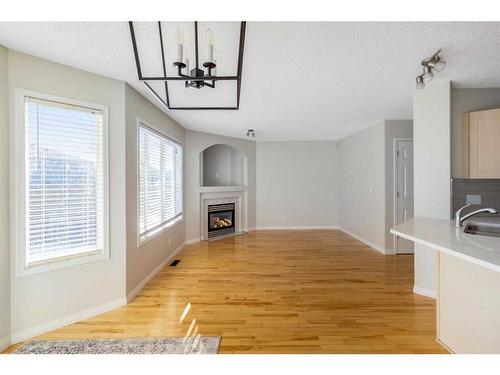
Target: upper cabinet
x=481, y=144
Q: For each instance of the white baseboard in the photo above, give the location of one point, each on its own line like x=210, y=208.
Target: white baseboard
x=295, y=227
x=424, y=292
x=64, y=321
x=88, y=313
x=4, y=343
x=192, y=241
x=149, y=277
x=365, y=241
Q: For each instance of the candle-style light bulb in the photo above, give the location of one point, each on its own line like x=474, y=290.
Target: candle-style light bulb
x=210, y=44
x=180, y=45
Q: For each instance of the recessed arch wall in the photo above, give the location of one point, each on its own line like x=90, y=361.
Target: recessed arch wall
x=195, y=143
x=222, y=165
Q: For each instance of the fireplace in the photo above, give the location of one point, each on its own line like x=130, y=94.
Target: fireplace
x=221, y=220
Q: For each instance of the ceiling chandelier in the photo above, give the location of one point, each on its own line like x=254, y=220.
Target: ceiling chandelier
x=200, y=76
x=431, y=64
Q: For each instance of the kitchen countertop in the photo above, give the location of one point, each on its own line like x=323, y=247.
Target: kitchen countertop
x=442, y=235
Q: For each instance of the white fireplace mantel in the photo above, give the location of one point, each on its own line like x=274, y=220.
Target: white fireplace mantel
x=220, y=189
x=219, y=195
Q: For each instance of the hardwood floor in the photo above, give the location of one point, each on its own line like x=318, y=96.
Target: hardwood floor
x=279, y=292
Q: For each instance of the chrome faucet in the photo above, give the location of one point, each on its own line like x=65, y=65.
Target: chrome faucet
x=459, y=219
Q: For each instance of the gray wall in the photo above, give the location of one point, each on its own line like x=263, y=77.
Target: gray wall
x=366, y=192
x=238, y=168
x=195, y=143
x=432, y=154
x=297, y=184
x=467, y=100
x=217, y=166
x=44, y=297
x=222, y=166
x=4, y=201
x=362, y=184
x=393, y=129
x=489, y=190
x=141, y=261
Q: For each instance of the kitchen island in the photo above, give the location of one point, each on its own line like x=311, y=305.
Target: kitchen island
x=468, y=283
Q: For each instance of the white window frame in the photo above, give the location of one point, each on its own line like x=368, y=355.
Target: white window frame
x=167, y=226
x=19, y=194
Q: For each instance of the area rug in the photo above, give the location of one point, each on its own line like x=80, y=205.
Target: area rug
x=166, y=345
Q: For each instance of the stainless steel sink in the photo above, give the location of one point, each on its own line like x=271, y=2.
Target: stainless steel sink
x=483, y=229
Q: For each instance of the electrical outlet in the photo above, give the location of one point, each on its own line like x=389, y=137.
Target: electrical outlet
x=473, y=199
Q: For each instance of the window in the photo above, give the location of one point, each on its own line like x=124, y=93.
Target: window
x=160, y=182
x=63, y=180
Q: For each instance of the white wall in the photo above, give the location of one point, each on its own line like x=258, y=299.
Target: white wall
x=39, y=300
x=467, y=100
x=362, y=185
x=195, y=143
x=432, y=173
x=141, y=261
x=4, y=202
x=297, y=184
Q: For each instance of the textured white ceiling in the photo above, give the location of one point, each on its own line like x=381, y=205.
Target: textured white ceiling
x=301, y=81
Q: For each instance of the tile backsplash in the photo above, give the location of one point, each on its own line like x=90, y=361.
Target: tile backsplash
x=489, y=190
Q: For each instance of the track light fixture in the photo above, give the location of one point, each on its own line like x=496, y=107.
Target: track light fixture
x=427, y=74
x=250, y=133
x=431, y=64
x=420, y=82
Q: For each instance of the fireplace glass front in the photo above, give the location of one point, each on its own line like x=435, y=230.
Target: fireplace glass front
x=221, y=220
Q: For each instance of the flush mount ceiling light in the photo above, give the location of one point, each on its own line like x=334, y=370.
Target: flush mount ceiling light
x=251, y=133
x=431, y=64
x=163, y=59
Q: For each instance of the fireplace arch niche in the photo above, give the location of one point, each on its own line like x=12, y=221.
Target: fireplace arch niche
x=223, y=165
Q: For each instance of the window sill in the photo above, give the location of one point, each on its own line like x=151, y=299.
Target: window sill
x=62, y=262
x=163, y=229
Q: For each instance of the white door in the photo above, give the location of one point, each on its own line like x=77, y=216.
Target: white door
x=404, y=190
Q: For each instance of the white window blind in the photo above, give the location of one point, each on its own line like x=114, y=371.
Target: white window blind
x=64, y=167
x=160, y=181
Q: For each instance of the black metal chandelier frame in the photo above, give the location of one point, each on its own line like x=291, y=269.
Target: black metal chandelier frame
x=197, y=77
